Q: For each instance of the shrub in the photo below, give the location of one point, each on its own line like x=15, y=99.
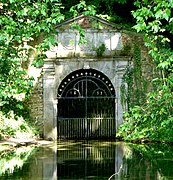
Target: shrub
x=12, y=126
x=153, y=120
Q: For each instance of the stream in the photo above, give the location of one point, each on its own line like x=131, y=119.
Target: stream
x=105, y=160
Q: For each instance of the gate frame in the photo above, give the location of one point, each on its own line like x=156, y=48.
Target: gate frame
x=86, y=75
x=55, y=70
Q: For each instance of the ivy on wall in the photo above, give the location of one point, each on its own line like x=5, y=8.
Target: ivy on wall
x=134, y=85
x=149, y=116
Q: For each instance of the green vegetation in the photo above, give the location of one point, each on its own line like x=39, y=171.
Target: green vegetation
x=137, y=84
x=11, y=126
x=100, y=50
x=153, y=160
x=27, y=27
x=153, y=120
x=22, y=22
x=118, y=11
x=14, y=159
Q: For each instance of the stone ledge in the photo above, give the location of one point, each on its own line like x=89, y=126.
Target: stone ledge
x=7, y=144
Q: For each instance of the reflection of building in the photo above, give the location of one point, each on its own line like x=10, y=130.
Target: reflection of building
x=89, y=160
x=104, y=56
x=43, y=165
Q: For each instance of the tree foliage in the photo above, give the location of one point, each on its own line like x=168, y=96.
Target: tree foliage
x=155, y=19
x=20, y=22
x=118, y=11
x=154, y=119
x=23, y=22
x=27, y=27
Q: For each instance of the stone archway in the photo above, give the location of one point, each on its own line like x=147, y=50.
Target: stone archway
x=69, y=56
x=55, y=73
x=86, y=106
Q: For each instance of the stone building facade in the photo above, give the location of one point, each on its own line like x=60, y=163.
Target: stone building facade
x=108, y=50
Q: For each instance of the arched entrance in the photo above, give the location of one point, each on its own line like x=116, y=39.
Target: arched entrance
x=86, y=106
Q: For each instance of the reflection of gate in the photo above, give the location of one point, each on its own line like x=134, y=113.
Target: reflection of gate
x=86, y=106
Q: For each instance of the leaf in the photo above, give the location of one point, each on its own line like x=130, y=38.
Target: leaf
x=159, y=14
x=166, y=15
x=164, y=64
x=39, y=63
x=54, y=21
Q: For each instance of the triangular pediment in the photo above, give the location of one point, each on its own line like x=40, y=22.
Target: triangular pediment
x=88, y=22
x=101, y=38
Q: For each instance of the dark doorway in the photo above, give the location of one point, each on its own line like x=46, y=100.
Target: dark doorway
x=86, y=106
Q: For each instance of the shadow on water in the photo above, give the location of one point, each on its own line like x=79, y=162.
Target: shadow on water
x=88, y=160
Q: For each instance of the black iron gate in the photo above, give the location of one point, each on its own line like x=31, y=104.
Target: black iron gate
x=86, y=106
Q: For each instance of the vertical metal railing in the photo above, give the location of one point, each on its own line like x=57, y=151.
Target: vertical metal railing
x=86, y=128
x=86, y=105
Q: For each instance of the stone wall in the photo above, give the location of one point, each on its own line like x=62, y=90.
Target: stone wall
x=129, y=41
x=36, y=106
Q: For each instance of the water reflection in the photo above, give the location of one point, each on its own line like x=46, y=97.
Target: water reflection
x=14, y=159
x=89, y=160
x=41, y=164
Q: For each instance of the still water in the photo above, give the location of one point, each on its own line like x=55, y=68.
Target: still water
x=88, y=160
